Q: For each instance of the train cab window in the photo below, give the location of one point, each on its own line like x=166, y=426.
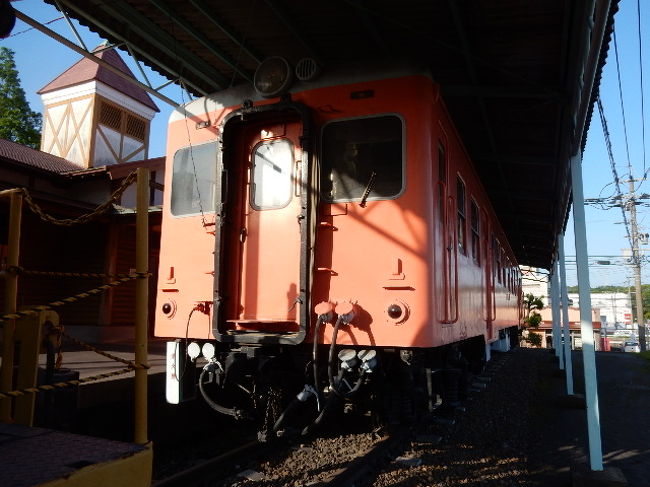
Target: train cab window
x=462, y=211
x=476, y=233
x=271, y=174
x=194, y=180
x=363, y=155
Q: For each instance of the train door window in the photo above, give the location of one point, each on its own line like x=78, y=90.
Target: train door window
x=442, y=176
x=271, y=174
x=194, y=180
x=363, y=157
x=476, y=233
x=461, y=208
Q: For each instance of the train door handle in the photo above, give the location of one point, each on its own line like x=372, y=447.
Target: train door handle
x=242, y=235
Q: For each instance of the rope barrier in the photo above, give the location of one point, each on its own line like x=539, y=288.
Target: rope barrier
x=101, y=209
x=121, y=278
x=91, y=348
x=55, y=304
x=61, y=385
x=17, y=270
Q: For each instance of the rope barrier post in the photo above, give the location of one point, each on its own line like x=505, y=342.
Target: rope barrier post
x=28, y=337
x=11, y=292
x=141, y=304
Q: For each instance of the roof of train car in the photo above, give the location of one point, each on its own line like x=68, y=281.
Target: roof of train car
x=519, y=77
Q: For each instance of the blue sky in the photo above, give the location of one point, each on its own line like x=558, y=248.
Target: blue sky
x=606, y=234
x=40, y=59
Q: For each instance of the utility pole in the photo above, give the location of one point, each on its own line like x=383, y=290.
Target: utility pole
x=636, y=261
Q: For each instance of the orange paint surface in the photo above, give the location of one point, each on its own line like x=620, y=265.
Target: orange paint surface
x=402, y=251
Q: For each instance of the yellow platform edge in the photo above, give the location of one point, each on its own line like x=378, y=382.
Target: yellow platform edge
x=133, y=471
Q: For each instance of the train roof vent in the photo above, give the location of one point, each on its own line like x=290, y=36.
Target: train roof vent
x=307, y=69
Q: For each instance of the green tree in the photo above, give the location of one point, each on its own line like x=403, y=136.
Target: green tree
x=18, y=122
x=532, y=318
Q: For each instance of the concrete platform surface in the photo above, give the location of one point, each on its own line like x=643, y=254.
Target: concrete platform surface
x=37, y=456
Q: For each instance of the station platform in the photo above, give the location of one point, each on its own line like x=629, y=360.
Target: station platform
x=49, y=458
x=560, y=440
x=88, y=364
x=40, y=456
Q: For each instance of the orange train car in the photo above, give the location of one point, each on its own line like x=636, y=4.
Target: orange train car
x=329, y=238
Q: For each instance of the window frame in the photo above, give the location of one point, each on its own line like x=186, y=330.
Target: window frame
x=461, y=216
x=325, y=198
x=475, y=231
x=216, y=181
x=292, y=164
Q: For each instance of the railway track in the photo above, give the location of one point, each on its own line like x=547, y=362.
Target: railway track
x=213, y=469
x=350, y=471
x=341, y=459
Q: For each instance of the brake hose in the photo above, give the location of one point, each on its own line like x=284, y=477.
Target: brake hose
x=330, y=364
x=319, y=322
x=234, y=412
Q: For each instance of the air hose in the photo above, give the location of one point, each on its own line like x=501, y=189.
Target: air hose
x=319, y=322
x=331, y=361
x=234, y=412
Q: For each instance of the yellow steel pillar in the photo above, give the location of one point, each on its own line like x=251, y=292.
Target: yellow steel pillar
x=11, y=292
x=141, y=304
x=29, y=338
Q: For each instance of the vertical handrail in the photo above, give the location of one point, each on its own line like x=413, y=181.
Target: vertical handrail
x=453, y=247
x=141, y=305
x=443, y=240
x=11, y=293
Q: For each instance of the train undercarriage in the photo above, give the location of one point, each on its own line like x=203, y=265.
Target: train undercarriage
x=294, y=390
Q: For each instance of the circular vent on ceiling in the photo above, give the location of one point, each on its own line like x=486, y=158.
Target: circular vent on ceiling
x=307, y=69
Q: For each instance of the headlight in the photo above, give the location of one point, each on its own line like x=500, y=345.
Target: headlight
x=273, y=77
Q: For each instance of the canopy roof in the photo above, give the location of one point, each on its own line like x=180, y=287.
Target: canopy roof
x=519, y=76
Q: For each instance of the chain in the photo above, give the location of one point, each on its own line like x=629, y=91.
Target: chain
x=68, y=222
x=54, y=304
x=17, y=270
x=89, y=347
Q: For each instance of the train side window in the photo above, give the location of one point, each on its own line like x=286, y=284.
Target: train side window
x=363, y=155
x=194, y=180
x=460, y=201
x=497, y=258
x=271, y=174
x=476, y=233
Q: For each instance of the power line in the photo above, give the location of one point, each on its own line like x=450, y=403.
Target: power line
x=620, y=97
x=638, y=10
x=32, y=28
x=612, y=162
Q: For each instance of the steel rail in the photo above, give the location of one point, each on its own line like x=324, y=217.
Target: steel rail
x=207, y=469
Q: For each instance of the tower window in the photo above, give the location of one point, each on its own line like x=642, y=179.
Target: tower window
x=111, y=116
x=135, y=127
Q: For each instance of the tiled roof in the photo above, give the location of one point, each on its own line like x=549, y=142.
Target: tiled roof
x=37, y=159
x=87, y=70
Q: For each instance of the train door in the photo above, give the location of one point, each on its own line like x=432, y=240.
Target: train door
x=260, y=288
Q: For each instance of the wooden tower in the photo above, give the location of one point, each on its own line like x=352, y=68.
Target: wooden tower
x=93, y=117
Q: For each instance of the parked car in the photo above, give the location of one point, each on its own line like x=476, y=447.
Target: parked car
x=631, y=347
